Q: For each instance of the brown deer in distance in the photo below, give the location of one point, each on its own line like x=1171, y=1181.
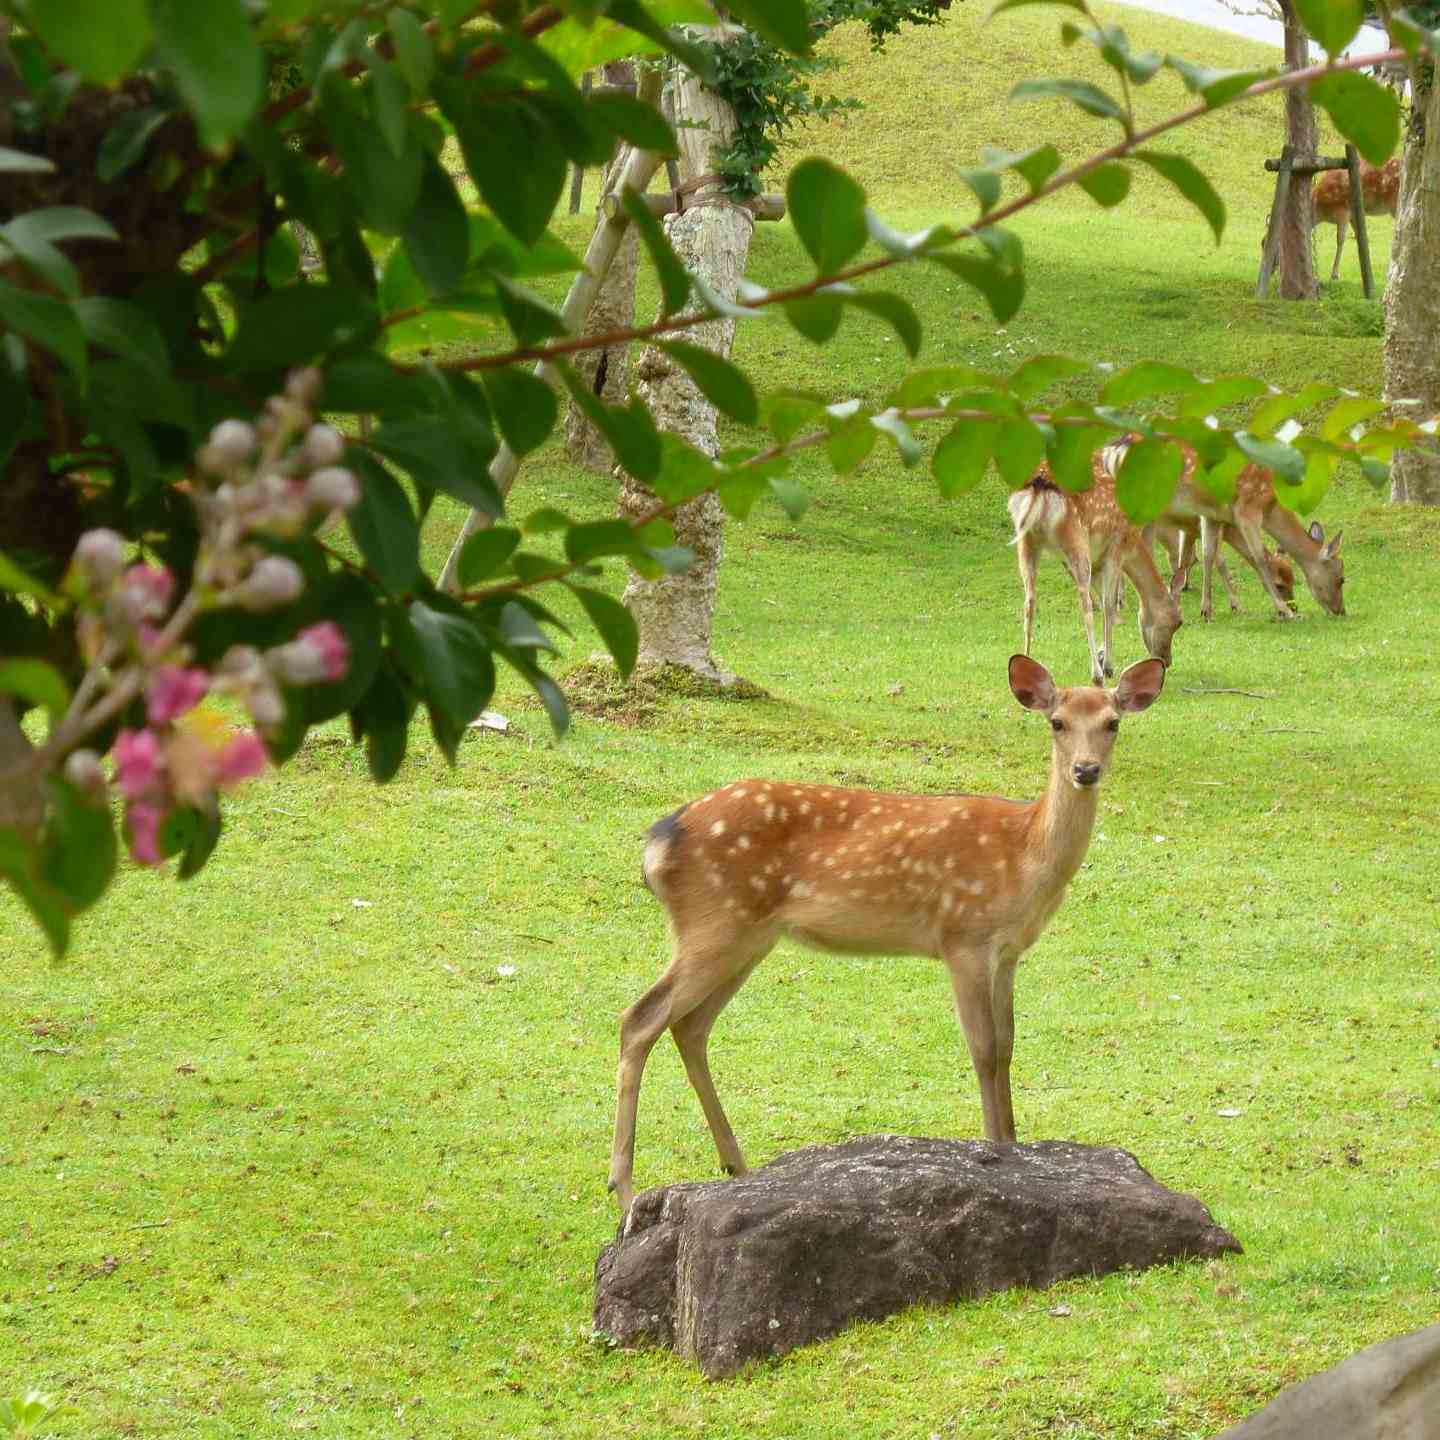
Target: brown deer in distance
x=1090, y=533
x=971, y=880
x=1179, y=540
x=1380, y=188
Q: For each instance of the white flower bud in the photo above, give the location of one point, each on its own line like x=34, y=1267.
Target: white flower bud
x=84, y=771
x=265, y=703
x=304, y=385
x=324, y=445
x=232, y=442
x=274, y=581
x=239, y=662
x=333, y=488
x=298, y=663
x=100, y=556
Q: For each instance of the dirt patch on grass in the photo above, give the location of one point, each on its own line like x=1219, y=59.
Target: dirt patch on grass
x=594, y=688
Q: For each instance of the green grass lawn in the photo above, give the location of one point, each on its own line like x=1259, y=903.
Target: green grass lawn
x=316, y=1143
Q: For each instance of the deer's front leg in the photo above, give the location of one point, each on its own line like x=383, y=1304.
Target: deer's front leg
x=990, y=1052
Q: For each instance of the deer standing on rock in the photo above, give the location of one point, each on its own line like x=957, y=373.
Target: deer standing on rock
x=971, y=880
x=1380, y=190
x=1089, y=530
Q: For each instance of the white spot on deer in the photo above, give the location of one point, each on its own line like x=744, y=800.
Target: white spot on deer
x=718, y=828
x=740, y=792
x=804, y=807
x=829, y=862
x=983, y=839
x=847, y=874
x=743, y=842
x=803, y=889
x=857, y=894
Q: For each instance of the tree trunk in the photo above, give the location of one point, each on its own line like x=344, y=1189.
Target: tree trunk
x=1412, y=297
x=1297, y=263
x=607, y=370
x=676, y=613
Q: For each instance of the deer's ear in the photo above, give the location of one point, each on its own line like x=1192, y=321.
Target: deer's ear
x=1140, y=686
x=1031, y=685
x=1331, y=546
x=1316, y=532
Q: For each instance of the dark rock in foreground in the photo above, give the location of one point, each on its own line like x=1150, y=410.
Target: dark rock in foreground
x=1389, y=1392
x=733, y=1270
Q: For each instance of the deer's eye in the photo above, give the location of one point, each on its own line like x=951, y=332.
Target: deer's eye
x=1112, y=725
x=1057, y=725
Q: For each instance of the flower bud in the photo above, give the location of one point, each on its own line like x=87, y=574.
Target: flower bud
x=84, y=771
x=138, y=762
x=243, y=758
x=304, y=385
x=324, y=445
x=173, y=690
x=318, y=655
x=147, y=591
x=232, y=443
x=274, y=581
x=100, y=557
x=333, y=488
x=144, y=821
x=265, y=703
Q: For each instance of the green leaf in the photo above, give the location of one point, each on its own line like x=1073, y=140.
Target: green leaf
x=386, y=185
x=1019, y=449
x=37, y=681
x=684, y=471
x=1215, y=87
x=1071, y=455
x=436, y=233
x=1107, y=184
x=1219, y=478
x=389, y=101
x=630, y=431
x=125, y=141
x=598, y=538
x=102, y=42
x=1149, y=377
x=127, y=331
x=851, y=440
x=79, y=851
x=787, y=412
x=1002, y=286
x=615, y=624
x=40, y=257
x=450, y=658
x=384, y=718
x=201, y=843
x=896, y=312
x=1035, y=166
x=217, y=62
x=15, y=408
x=1377, y=472
x=925, y=387
x=633, y=120
x=986, y=185
x=1303, y=497
x=1365, y=112
x=1334, y=23
x=827, y=209
x=484, y=553
x=18, y=865
x=888, y=422
x=1148, y=475
x=530, y=319
x=721, y=383
x=1351, y=411
x=1217, y=394
x=1191, y=183
x=1090, y=98
x=50, y=323
x=427, y=450
x=960, y=458
x=793, y=499
x=299, y=324
x=524, y=405
x=414, y=51
x=1272, y=413
x=1037, y=374
x=785, y=23
x=816, y=317
x=492, y=136
x=1284, y=460
x=384, y=525
x=33, y=236
x=21, y=162
x=674, y=278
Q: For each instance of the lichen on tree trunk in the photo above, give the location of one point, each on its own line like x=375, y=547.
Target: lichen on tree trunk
x=1412, y=296
x=676, y=613
x=606, y=370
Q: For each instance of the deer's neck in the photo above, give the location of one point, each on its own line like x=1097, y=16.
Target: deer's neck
x=1060, y=831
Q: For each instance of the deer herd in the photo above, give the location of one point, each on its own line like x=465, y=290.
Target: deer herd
x=971, y=880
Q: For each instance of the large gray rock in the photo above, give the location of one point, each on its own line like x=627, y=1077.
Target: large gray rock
x=1389, y=1392
x=732, y=1270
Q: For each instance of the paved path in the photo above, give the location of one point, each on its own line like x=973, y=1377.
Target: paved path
x=1215, y=15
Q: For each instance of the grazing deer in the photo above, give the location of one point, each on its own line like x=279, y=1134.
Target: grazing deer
x=1256, y=507
x=1178, y=539
x=971, y=880
x=1089, y=531
x=1379, y=188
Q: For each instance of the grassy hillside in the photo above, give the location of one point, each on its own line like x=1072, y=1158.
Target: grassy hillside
x=316, y=1143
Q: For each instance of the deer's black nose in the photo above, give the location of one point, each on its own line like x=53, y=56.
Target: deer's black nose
x=1087, y=772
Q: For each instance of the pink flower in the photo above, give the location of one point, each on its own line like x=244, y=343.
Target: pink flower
x=144, y=821
x=173, y=691
x=137, y=762
x=318, y=655
x=152, y=586
x=328, y=638
x=241, y=759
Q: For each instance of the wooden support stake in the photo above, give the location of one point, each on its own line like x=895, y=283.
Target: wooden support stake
x=1357, y=220
x=762, y=207
x=1272, y=235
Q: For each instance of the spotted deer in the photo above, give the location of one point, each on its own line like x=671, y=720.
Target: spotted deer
x=1379, y=188
x=971, y=880
x=1178, y=538
x=1254, y=509
x=1090, y=533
